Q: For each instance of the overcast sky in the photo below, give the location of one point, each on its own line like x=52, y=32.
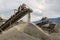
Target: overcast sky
x=41, y=8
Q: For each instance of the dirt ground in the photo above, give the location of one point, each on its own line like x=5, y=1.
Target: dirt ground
x=28, y=31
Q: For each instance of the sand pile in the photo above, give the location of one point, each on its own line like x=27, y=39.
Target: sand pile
x=26, y=31
x=13, y=34
x=33, y=30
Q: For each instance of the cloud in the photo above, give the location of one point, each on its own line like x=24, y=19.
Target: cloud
x=7, y=8
x=53, y=9
x=34, y=18
x=6, y=13
x=41, y=8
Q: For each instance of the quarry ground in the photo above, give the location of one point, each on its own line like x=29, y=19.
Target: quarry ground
x=25, y=31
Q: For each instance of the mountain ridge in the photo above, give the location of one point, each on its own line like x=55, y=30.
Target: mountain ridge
x=54, y=20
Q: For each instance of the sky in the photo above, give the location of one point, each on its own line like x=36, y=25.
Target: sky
x=41, y=8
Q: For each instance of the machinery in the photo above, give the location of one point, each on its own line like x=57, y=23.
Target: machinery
x=22, y=11
x=51, y=26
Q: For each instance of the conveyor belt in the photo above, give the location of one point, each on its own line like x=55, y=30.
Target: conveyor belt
x=42, y=23
x=18, y=15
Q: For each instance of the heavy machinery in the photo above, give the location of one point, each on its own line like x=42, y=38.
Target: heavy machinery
x=22, y=11
x=46, y=21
